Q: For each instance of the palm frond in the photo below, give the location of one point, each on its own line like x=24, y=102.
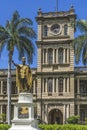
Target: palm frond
x=84, y=54
x=4, y=37
x=28, y=47
x=2, y=45
x=26, y=42
x=22, y=22
x=78, y=45
x=2, y=29
x=28, y=31
x=20, y=49
x=15, y=17
x=82, y=25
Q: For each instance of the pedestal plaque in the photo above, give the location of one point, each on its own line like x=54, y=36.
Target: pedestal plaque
x=24, y=113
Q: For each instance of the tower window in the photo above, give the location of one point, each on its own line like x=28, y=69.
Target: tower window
x=60, y=55
x=44, y=85
x=66, y=55
x=50, y=85
x=44, y=55
x=50, y=56
x=65, y=84
x=45, y=31
x=60, y=86
x=65, y=29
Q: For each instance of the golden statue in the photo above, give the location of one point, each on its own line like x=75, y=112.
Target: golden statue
x=23, y=76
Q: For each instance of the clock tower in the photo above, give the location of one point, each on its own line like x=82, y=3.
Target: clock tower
x=55, y=69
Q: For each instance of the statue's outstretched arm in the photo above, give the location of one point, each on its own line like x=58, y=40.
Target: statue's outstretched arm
x=15, y=64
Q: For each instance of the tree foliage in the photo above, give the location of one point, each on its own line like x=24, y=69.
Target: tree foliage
x=18, y=33
x=80, y=42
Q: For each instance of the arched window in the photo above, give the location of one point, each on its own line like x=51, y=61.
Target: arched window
x=45, y=31
x=50, y=56
x=44, y=55
x=60, y=55
x=44, y=87
x=50, y=85
x=60, y=86
x=65, y=29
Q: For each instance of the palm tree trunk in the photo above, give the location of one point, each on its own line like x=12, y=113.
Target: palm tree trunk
x=9, y=91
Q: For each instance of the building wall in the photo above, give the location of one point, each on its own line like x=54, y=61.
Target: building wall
x=55, y=72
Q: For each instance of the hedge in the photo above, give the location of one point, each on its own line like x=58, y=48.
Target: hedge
x=63, y=127
x=52, y=127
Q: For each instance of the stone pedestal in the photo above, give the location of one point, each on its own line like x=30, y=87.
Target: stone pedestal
x=24, y=113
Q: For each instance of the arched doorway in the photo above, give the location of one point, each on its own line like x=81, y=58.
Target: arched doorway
x=55, y=116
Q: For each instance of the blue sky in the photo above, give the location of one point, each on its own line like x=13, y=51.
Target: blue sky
x=29, y=8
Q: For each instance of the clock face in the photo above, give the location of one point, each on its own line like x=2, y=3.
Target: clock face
x=55, y=28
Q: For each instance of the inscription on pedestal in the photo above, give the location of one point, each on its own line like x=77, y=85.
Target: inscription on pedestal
x=23, y=112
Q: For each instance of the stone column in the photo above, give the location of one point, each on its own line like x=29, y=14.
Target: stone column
x=57, y=85
x=38, y=109
x=46, y=56
x=64, y=85
x=53, y=85
x=1, y=87
x=68, y=55
x=46, y=85
x=64, y=114
x=43, y=85
x=43, y=56
x=67, y=110
x=53, y=56
x=68, y=85
x=78, y=112
x=64, y=55
x=72, y=85
x=46, y=114
x=78, y=86
x=56, y=56
x=34, y=86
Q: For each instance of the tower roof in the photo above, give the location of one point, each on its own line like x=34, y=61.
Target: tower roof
x=51, y=15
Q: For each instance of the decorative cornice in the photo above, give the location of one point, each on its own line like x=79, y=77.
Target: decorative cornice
x=53, y=42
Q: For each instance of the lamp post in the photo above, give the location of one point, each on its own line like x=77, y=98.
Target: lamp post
x=56, y=5
x=9, y=93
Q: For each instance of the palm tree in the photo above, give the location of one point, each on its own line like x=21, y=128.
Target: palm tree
x=17, y=33
x=80, y=42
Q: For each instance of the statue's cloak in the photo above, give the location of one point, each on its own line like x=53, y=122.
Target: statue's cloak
x=23, y=71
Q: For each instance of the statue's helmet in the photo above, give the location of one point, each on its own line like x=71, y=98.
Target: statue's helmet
x=23, y=58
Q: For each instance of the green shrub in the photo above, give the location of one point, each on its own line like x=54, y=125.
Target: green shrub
x=73, y=119
x=2, y=117
x=4, y=127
